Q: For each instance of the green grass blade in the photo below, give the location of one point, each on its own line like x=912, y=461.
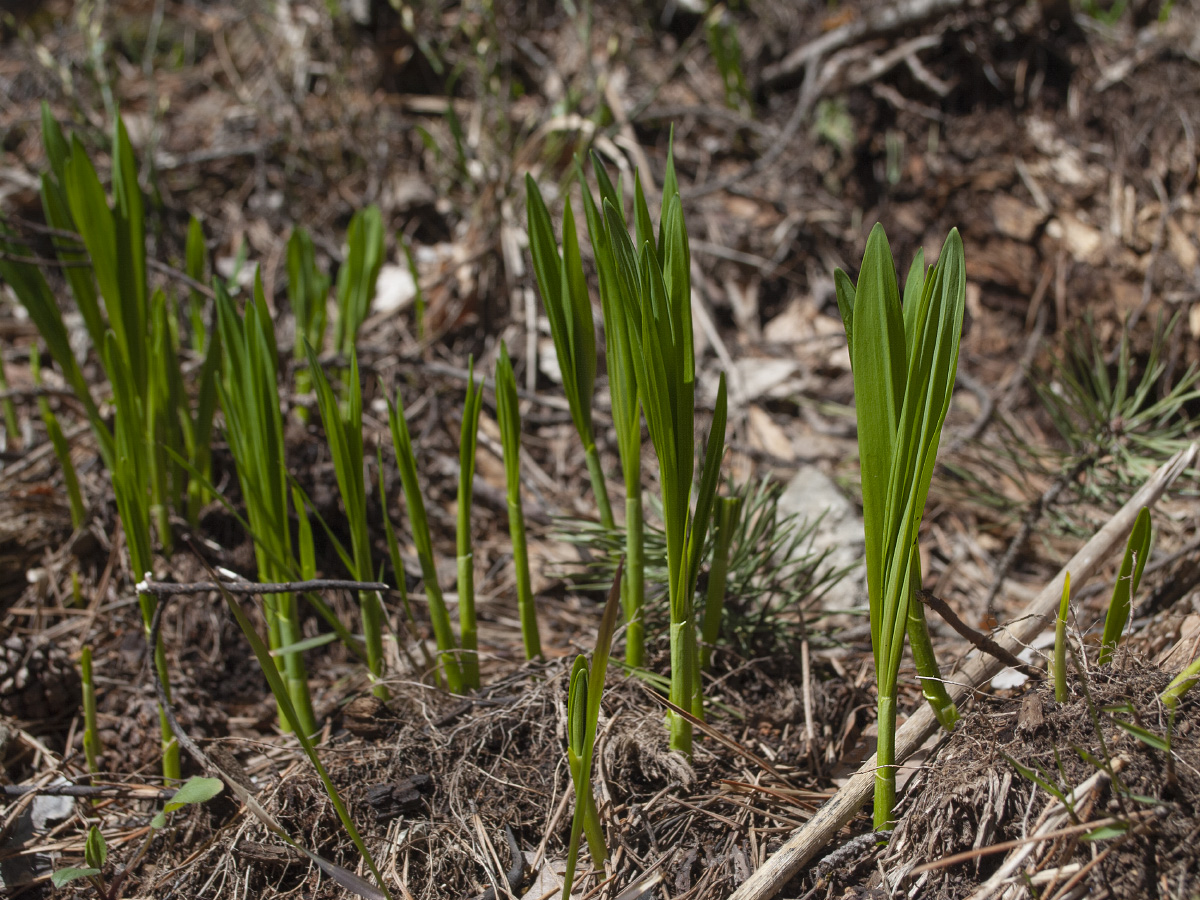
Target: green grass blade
x=467, y=441
x=406, y=462
x=1137, y=551
x=1061, y=694
x=508, y=415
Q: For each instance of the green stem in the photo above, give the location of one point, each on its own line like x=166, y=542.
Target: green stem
x=10, y=410
x=933, y=687
x=91, y=738
x=633, y=587
x=468, y=627
x=1061, y=694
x=172, y=770
x=1180, y=685
x=594, y=833
x=372, y=618
x=682, y=684
x=525, y=605
x=599, y=488
x=292, y=665
x=885, y=759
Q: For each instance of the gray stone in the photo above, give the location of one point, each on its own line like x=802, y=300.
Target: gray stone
x=809, y=494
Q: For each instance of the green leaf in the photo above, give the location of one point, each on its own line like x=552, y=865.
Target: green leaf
x=195, y=790
x=1137, y=551
x=1149, y=738
x=439, y=615
x=95, y=849
x=65, y=876
x=1107, y=832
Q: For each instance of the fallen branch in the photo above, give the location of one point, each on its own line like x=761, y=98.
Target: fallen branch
x=830, y=818
x=170, y=589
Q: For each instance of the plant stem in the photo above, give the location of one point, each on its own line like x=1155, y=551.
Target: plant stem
x=594, y=832
x=91, y=739
x=683, y=684
x=293, y=664
x=170, y=747
x=599, y=488
x=468, y=626
x=885, y=757
x=633, y=587
x=1061, y=694
x=526, y=608
x=933, y=687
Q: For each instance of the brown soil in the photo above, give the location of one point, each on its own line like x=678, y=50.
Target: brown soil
x=1063, y=148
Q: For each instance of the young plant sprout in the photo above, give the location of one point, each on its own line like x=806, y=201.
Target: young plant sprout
x=626, y=409
x=904, y=362
x=254, y=429
x=654, y=285
x=91, y=733
x=508, y=415
x=357, y=277
x=195, y=256
x=1061, y=694
x=583, y=713
x=343, y=430
x=308, y=289
x=439, y=616
x=569, y=309
x=1137, y=551
x=468, y=438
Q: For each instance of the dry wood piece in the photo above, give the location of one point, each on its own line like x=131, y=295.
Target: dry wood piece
x=829, y=819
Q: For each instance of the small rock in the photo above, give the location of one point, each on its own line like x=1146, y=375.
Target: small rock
x=809, y=494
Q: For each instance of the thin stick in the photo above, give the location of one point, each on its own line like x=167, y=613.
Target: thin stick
x=167, y=589
x=977, y=638
x=829, y=819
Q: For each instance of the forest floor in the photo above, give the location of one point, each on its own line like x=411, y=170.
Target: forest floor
x=1060, y=138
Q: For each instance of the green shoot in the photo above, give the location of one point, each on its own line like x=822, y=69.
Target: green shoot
x=35, y=295
x=91, y=733
x=1137, y=551
x=95, y=855
x=466, y=554
x=254, y=429
x=508, y=414
x=654, y=284
x=62, y=449
x=398, y=572
x=308, y=290
x=725, y=524
x=1181, y=684
x=583, y=713
x=418, y=295
x=1061, y=694
x=195, y=260
x=569, y=309
x=626, y=410
x=343, y=430
x=357, y=277
x=439, y=616
x=130, y=475
x=11, y=426
x=904, y=363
